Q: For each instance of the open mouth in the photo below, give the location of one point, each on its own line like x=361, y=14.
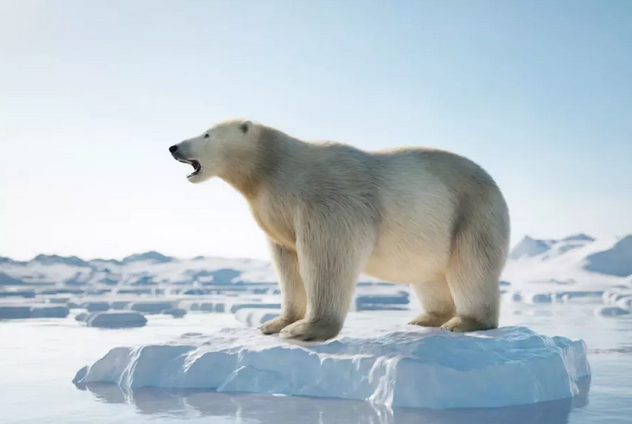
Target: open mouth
x=195, y=164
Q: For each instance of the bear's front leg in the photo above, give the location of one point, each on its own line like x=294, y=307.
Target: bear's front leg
x=293, y=297
x=330, y=262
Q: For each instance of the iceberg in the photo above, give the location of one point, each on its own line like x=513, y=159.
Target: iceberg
x=412, y=367
x=150, y=307
x=113, y=319
x=22, y=311
x=96, y=306
x=175, y=312
x=49, y=311
x=610, y=311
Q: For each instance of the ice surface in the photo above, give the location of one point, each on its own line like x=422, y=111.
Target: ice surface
x=115, y=319
x=253, y=317
x=239, y=305
x=413, y=368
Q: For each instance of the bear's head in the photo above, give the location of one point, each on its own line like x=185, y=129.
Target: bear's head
x=225, y=148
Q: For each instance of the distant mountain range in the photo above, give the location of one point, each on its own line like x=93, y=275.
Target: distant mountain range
x=576, y=259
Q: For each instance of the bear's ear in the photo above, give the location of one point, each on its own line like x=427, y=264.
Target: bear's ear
x=245, y=126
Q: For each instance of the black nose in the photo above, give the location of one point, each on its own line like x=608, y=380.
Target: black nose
x=173, y=148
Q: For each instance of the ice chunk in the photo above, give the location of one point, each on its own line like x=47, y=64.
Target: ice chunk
x=625, y=303
x=15, y=311
x=149, y=307
x=96, y=306
x=610, y=311
x=534, y=297
x=115, y=319
x=18, y=311
x=81, y=317
x=120, y=304
x=416, y=368
x=49, y=311
x=26, y=293
x=175, y=312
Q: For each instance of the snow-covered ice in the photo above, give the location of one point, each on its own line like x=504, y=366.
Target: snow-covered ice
x=115, y=319
x=250, y=305
x=253, y=317
x=414, y=368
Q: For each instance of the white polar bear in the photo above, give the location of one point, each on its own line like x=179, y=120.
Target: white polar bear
x=416, y=216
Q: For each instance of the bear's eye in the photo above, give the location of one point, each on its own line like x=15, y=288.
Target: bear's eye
x=206, y=135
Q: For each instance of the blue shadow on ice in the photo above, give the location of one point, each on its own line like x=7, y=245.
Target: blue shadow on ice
x=271, y=409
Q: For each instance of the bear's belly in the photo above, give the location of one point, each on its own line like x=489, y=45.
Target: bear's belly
x=405, y=269
x=405, y=256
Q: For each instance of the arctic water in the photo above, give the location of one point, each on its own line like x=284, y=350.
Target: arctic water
x=39, y=358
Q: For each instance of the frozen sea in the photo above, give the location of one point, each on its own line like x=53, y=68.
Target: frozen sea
x=39, y=358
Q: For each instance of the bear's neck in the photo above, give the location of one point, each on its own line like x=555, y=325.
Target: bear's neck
x=256, y=169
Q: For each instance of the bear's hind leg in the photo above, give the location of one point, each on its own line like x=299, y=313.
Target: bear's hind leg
x=473, y=276
x=436, y=301
x=294, y=299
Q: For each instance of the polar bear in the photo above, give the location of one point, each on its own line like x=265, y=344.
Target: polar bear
x=418, y=216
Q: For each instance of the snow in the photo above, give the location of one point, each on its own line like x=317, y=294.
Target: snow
x=413, y=368
x=254, y=317
x=115, y=319
x=579, y=261
x=241, y=305
x=615, y=261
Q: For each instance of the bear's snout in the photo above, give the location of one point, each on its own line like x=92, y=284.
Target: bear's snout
x=173, y=149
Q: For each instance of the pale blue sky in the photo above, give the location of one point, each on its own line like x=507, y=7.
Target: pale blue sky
x=93, y=93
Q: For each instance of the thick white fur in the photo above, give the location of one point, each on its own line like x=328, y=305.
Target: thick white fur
x=416, y=216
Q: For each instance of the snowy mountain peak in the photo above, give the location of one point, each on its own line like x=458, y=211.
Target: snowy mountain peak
x=529, y=247
x=579, y=237
x=151, y=256
x=56, y=259
x=615, y=261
